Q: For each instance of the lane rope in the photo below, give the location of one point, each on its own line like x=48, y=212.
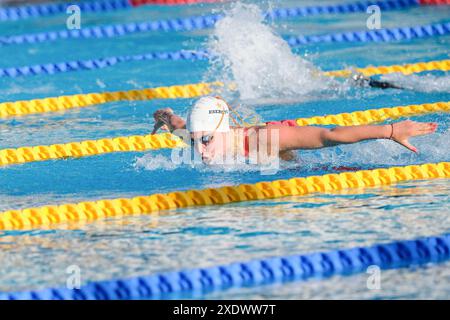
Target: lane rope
x=407, y=69
x=192, y=55
x=382, y=35
x=137, y=3
x=97, y=6
x=434, y=2
x=139, y=143
x=53, y=104
x=88, y=211
x=92, y=64
x=257, y=272
x=88, y=148
x=49, y=9
x=111, y=31
x=375, y=115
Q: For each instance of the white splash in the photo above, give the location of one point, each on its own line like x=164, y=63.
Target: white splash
x=152, y=161
x=432, y=148
x=250, y=54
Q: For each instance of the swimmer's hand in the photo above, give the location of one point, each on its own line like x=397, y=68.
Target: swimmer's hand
x=404, y=130
x=162, y=120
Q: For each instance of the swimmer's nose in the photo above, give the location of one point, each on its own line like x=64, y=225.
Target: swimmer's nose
x=206, y=157
x=200, y=148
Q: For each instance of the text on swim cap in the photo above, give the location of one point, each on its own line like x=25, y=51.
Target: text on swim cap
x=218, y=111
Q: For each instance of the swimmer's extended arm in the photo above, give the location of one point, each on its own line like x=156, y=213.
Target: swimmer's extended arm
x=309, y=137
x=315, y=138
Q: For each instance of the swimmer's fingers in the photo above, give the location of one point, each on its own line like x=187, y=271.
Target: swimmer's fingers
x=162, y=120
x=156, y=128
x=415, y=129
x=422, y=128
x=159, y=125
x=407, y=145
x=426, y=128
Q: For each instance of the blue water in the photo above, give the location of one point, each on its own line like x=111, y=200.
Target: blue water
x=207, y=236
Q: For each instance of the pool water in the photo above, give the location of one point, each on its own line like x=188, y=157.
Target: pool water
x=198, y=237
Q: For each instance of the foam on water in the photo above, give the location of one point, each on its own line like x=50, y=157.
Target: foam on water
x=432, y=148
x=152, y=161
x=250, y=54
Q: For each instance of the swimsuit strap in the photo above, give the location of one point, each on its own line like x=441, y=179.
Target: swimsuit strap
x=246, y=143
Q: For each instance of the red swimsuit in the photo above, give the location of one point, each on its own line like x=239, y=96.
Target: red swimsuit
x=246, y=143
x=290, y=123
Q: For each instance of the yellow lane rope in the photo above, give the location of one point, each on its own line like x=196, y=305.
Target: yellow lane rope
x=93, y=210
x=441, y=65
x=25, y=107
x=166, y=140
x=88, y=148
x=375, y=115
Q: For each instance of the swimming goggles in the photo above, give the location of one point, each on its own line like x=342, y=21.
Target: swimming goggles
x=205, y=140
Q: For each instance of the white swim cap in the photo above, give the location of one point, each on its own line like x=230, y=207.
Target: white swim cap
x=209, y=114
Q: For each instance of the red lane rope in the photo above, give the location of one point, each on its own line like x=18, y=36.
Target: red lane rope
x=434, y=2
x=137, y=3
x=290, y=123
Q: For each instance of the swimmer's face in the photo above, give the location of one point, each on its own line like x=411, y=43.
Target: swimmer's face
x=206, y=143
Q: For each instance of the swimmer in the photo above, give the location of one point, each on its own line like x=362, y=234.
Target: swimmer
x=359, y=80
x=208, y=123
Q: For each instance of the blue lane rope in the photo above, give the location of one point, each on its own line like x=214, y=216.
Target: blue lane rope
x=92, y=64
x=49, y=9
x=343, y=8
x=45, y=10
x=398, y=254
x=186, y=24
x=114, y=30
x=383, y=35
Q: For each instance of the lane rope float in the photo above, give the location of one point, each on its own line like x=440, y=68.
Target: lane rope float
x=141, y=143
x=382, y=35
x=49, y=9
x=111, y=31
x=88, y=148
x=434, y=2
x=97, y=6
x=100, y=63
x=257, y=272
x=407, y=69
x=375, y=115
x=88, y=211
x=52, y=104
x=92, y=64
x=159, y=141
x=138, y=3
